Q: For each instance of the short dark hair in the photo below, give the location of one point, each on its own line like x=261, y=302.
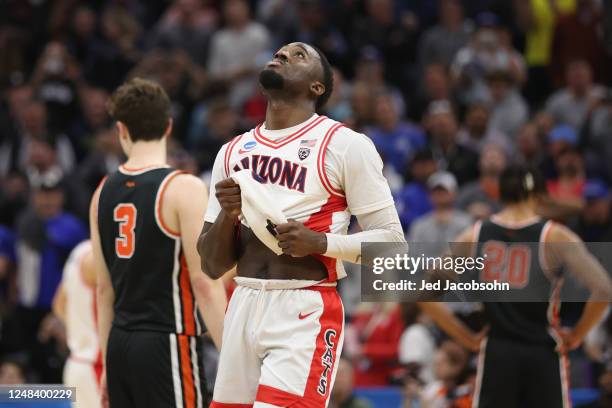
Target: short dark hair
x=517, y=183
x=328, y=80
x=143, y=107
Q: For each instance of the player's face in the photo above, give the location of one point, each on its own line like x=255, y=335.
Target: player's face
x=295, y=67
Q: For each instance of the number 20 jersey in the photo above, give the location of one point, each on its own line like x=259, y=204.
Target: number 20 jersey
x=144, y=257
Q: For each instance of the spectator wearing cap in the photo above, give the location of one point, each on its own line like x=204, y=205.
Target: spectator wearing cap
x=444, y=222
x=443, y=128
x=572, y=104
x=488, y=51
x=412, y=201
x=480, y=198
x=395, y=140
x=477, y=132
x=559, y=139
x=46, y=235
x=509, y=111
x=595, y=222
x=565, y=192
x=440, y=43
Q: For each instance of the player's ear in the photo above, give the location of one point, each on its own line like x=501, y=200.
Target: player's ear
x=317, y=88
x=122, y=130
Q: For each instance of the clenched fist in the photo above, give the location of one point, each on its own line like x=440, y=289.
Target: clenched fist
x=297, y=240
x=228, y=194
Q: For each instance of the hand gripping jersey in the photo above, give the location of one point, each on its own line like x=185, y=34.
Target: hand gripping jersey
x=292, y=168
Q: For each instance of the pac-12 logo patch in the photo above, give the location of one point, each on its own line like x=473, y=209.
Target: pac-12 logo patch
x=327, y=361
x=303, y=153
x=247, y=147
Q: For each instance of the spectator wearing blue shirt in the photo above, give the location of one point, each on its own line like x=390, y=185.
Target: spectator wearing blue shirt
x=7, y=262
x=46, y=235
x=413, y=200
x=395, y=140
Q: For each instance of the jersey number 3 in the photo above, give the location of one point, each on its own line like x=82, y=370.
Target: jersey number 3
x=125, y=215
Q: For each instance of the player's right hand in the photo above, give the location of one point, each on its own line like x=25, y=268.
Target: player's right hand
x=228, y=194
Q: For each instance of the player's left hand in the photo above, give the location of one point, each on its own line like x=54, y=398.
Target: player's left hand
x=570, y=341
x=295, y=239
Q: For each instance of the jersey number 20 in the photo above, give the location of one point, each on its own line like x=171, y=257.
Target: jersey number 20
x=506, y=263
x=125, y=215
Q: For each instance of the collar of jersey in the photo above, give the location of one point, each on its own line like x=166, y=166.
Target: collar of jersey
x=282, y=137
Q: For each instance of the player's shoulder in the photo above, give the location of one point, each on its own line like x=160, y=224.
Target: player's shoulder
x=346, y=138
x=185, y=182
x=560, y=233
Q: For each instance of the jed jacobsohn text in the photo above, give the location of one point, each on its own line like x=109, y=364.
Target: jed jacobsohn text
x=439, y=285
x=413, y=264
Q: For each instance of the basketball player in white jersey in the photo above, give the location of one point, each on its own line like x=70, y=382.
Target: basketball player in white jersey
x=283, y=330
x=75, y=305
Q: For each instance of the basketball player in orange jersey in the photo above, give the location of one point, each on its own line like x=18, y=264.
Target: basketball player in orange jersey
x=522, y=360
x=75, y=304
x=145, y=221
x=283, y=330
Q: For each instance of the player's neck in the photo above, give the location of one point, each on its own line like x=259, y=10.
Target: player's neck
x=517, y=212
x=143, y=154
x=282, y=114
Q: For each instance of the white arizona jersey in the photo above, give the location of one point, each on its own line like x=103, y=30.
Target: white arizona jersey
x=319, y=173
x=81, y=326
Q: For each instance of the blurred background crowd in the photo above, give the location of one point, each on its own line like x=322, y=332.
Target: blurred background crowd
x=449, y=91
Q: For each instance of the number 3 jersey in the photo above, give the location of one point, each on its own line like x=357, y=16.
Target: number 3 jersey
x=318, y=172
x=144, y=257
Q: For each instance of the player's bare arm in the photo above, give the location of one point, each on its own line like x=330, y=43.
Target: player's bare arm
x=445, y=319
x=217, y=242
x=589, y=272
x=183, y=210
x=59, y=303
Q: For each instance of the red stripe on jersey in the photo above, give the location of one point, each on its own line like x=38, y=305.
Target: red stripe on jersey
x=228, y=153
x=274, y=396
x=189, y=391
x=321, y=161
x=289, y=138
x=216, y=404
x=321, y=221
x=319, y=381
x=189, y=326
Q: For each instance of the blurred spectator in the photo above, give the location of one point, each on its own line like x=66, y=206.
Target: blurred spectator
x=104, y=158
x=596, y=137
x=445, y=222
x=7, y=269
x=412, y=201
x=572, y=104
x=477, y=132
x=480, y=199
x=45, y=236
x=417, y=344
x=439, y=44
x=577, y=36
x=395, y=38
x=565, y=192
x=529, y=146
x=373, y=343
x=362, y=112
x=12, y=372
x=237, y=51
x=83, y=37
x=595, y=222
x=13, y=197
x=54, y=84
x=436, y=86
x=94, y=118
x=605, y=388
x=509, y=111
x=452, y=388
x=488, y=51
x=188, y=25
x=338, y=107
x=450, y=155
x=342, y=395
x=395, y=140
x=537, y=18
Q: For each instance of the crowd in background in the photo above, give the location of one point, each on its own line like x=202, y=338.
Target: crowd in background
x=449, y=91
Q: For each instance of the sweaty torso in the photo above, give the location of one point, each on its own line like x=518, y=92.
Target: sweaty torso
x=255, y=260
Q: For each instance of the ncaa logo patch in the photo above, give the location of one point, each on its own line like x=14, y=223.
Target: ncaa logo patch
x=248, y=146
x=303, y=153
